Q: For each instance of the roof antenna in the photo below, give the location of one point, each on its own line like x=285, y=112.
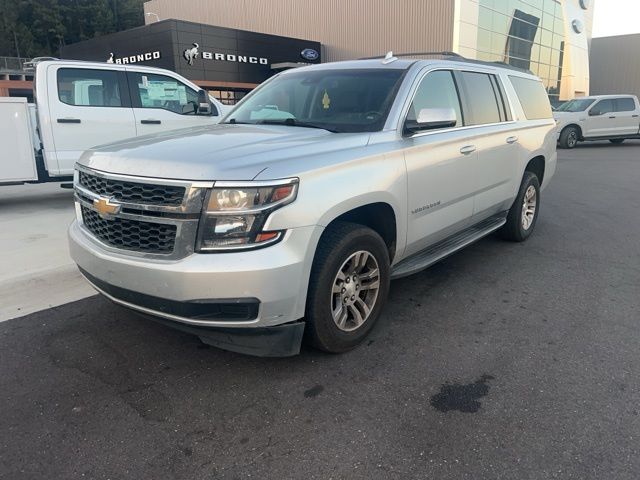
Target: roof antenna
x=389, y=58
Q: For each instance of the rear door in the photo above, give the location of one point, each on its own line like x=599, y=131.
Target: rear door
x=162, y=102
x=626, y=112
x=494, y=140
x=88, y=106
x=601, y=120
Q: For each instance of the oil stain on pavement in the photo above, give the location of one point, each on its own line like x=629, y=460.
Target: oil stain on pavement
x=463, y=398
x=313, y=391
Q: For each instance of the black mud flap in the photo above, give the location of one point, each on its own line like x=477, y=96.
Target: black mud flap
x=278, y=341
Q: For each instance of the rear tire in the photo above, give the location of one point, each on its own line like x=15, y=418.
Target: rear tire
x=617, y=141
x=569, y=137
x=523, y=214
x=348, y=287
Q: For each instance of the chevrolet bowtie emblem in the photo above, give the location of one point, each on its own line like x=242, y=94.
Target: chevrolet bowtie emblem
x=105, y=207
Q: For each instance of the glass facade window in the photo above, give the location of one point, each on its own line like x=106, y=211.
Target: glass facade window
x=228, y=97
x=527, y=34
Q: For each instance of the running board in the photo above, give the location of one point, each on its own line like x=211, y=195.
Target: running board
x=443, y=249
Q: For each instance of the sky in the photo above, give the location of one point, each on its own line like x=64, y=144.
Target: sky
x=616, y=17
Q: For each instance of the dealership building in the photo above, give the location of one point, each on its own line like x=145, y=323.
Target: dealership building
x=229, y=46
x=613, y=71
x=227, y=62
x=549, y=37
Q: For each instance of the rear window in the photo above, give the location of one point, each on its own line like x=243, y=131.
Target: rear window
x=625, y=105
x=89, y=88
x=533, y=98
x=482, y=99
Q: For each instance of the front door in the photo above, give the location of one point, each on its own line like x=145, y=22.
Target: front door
x=88, y=107
x=440, y=188
x=601, y=120
x=162, y=103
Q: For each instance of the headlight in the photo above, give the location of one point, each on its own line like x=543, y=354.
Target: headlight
x=235, y=214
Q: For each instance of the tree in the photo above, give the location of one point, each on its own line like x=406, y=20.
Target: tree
x=33, y=28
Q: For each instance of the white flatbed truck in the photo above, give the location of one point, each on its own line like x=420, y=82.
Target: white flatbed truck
x=80, y=104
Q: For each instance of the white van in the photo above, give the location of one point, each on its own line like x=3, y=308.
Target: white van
x=79, y=105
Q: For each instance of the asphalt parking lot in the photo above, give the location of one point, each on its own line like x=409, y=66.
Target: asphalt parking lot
x=505, y=361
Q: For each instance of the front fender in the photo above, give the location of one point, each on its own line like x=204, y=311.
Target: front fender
x=326, y=193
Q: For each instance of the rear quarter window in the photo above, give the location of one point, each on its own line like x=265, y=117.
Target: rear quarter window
x=533, y=98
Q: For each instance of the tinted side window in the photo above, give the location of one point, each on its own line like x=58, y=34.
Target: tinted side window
x=160, y=91
x=533, y=98
x=625, y=105
x=481, y=97
x=437, y=90
x=602, y=107
x=91, y=88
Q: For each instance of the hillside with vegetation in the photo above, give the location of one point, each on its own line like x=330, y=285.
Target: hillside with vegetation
x=34, y=28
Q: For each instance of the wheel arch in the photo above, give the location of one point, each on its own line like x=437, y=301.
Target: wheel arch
x=575, y=125
x=537, y=166
x=378, y=216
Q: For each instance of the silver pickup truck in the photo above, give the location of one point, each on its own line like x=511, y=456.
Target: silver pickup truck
x=290, y=218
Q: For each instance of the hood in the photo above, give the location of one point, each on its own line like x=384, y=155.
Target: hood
x=562, y=118
x=219, y=152
x=561, y=115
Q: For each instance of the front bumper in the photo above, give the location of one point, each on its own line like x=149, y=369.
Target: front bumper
x=268, y=286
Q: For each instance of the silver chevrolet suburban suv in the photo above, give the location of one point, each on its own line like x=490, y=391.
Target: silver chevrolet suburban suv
x=290, y=218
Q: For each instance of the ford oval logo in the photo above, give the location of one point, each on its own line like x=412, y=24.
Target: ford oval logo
x=309, y=54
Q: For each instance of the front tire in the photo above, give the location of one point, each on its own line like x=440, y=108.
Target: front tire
x=523, y=214
x=569, y=137
x=348, y=287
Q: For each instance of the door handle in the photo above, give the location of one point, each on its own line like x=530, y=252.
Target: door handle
x=468, y=149
x=68, y=120
x=612, y=117
x=150, y=122
x=512, y=139
x=635, y=116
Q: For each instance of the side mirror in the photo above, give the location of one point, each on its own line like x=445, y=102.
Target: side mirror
x=595, y=112
x=431, y=118
x=204, y=106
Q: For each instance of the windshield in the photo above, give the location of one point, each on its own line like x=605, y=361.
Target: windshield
x=575, y=105
x=335, y=100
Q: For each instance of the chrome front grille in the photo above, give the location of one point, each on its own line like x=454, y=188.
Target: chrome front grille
x=145, y=217
x=132, y=192
x=131, y=235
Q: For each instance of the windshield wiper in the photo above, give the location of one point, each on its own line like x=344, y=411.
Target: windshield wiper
x=292, y=122
x=233, y=121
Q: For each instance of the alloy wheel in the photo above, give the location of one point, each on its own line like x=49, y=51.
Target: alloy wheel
x=529, y=205
x=355, y=291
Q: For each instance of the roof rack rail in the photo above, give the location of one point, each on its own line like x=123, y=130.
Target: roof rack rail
x=451, y=56
x=497, y=64
x=414, y=54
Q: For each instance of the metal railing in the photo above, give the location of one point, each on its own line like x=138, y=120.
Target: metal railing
x=12, y=64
